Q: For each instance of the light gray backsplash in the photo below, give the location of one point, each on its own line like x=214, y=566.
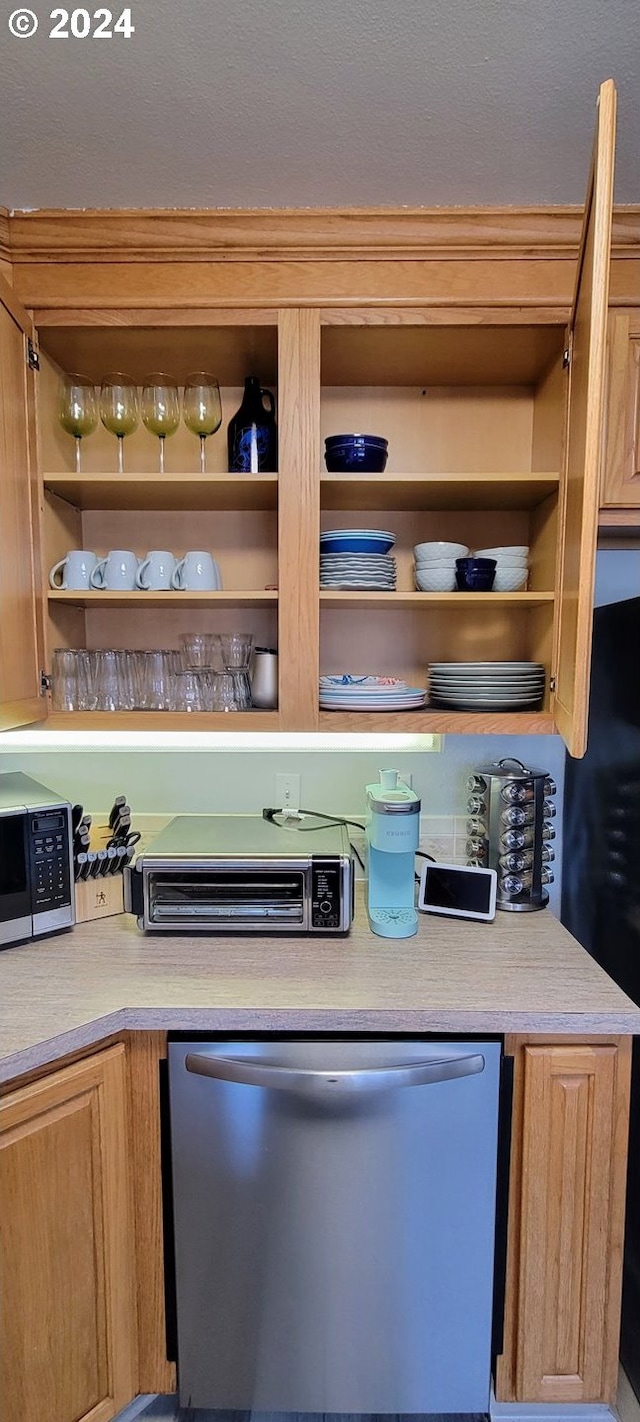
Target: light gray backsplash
x=207, y=782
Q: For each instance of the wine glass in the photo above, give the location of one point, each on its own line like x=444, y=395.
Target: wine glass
x=202, y=408
x=119, y=408
x=78, y=409
x=160, y=408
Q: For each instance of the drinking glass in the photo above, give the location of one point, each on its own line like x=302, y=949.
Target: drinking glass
x=160, y=408
x=202, y=412
x=77, y=409
x=119, y=408
x=188, y=691
x=200, y=650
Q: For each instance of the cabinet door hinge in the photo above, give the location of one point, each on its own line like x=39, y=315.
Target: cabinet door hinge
x=33, y=359
x=567, y=354
x=45, y=683
x=552, y=683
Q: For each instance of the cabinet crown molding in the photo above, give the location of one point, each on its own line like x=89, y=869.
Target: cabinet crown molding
x=357, y=234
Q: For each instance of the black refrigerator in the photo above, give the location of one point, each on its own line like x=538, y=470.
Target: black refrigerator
x=601, y=876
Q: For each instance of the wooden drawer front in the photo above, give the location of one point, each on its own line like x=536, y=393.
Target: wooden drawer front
x=67, y=1315
x=621, y=475
x=570, y=1225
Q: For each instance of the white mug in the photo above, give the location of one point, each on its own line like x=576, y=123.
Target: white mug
x=116, y=572
x=196, y=572
x=75, y=569
x=155, y=571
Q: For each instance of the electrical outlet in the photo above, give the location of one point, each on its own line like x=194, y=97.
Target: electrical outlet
x=288, y=792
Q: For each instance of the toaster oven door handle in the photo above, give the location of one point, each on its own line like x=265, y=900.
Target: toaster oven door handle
x=246, y=1072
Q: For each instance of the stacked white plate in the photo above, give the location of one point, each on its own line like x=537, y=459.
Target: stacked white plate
x=357, y=558
x=373, y=571
x=486, y=686
x=369, y=693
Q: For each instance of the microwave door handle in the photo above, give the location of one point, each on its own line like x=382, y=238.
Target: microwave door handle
x=246, y=1072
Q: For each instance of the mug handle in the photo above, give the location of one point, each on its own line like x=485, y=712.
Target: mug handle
x=96, y=577
x=176, y=576
x=139, y=571
x=268, y=395
x=217, y=576
x=52, y=575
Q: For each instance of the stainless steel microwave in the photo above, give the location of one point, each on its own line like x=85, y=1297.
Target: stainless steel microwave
x=239, y=874
x=36, y=887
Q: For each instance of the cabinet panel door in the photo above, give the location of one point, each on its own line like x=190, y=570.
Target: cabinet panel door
x=21, y=655
x=566, y=1224
x=66, y=1246
x=583, y=444
x=621, y=473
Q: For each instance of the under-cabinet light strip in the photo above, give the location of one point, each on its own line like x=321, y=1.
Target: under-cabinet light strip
x=103, y=740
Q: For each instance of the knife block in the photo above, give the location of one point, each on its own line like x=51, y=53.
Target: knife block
x=99, y=898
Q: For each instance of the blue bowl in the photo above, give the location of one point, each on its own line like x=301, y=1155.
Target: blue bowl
x=373, y=440
x=355, y=459
x=475, y=574
x=357, y=543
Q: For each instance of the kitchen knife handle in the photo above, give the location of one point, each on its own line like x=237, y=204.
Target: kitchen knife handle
x=248, y=1072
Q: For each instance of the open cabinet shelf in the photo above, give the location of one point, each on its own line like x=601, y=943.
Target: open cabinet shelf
x=174, y=600
x=171, y=492
x=456, y=601
x=436, y=491
x=467, y=723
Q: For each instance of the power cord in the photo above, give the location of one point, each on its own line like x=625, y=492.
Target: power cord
x=270, y=816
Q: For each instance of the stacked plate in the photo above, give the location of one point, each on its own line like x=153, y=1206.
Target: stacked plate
x=369, y=693
x=486, y=686
x=357, y=558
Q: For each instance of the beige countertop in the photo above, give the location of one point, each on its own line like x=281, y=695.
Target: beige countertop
x=522, y=973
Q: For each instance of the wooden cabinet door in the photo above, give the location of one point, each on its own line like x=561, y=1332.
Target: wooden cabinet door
x=621, y=472
x=566, y=1221
x=21, y=640
x=583, y=443
x=67, y=1321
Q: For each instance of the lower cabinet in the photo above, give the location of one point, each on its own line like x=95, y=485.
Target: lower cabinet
x=68, y=1336
x=566, y=1222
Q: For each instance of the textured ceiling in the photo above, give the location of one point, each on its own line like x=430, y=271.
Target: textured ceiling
x=305, y=103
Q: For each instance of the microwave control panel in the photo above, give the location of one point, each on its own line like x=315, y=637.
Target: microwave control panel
x=50, y=869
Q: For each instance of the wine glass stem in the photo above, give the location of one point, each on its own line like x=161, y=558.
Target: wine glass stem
x=203, y=441
x=78, y=464
x=120, y=456
x=161, y=443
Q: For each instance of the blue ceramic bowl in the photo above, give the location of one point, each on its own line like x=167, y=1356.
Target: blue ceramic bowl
x=377, y=440
x=475, y=574
x=356, y=543
x=359, y=454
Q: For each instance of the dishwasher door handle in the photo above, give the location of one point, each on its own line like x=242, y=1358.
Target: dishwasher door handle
x=248, y=1072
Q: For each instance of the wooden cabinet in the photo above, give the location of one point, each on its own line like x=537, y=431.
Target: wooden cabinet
x=67, y=1344
x=566, y=1219
x=21, y=649
x=621, y=468
x=494, y=437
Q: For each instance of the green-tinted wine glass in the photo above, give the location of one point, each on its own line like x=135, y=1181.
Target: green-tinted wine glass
x=160, y=408
x=78, y=409
x=119, y=408
x=202, y=410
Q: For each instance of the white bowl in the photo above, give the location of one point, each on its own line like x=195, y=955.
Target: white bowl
x=436, y=580
x=511, y=551
x=510, y=579
x=440, y=550
x=425, y=563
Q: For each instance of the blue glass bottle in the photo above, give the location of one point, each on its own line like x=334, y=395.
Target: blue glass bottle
x=252, y=433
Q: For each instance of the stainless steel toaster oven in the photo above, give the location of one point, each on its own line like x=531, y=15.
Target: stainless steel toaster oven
x=242, y=874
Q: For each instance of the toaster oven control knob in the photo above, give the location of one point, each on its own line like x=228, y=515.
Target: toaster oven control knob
x=325, y=906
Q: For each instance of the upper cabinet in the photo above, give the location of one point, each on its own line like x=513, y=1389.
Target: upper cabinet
x=21, y=651
x=446, y=333
x=620, y=488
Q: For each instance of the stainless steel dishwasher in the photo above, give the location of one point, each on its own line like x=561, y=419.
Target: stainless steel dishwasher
x=334, y=1207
